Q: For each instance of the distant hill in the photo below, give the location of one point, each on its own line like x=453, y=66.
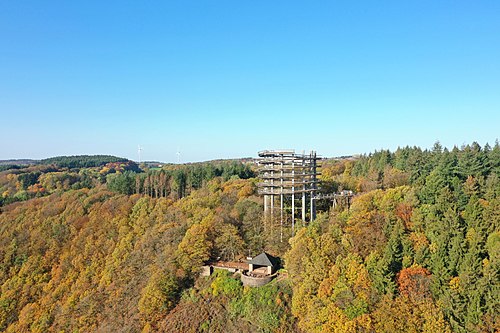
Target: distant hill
x=76, y=161
x=19, y=162
x=82, y=161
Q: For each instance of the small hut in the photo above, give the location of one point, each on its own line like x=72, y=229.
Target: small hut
x=264, y=264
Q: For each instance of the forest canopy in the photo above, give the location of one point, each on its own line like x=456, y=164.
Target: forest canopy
x=108, y=248
x=82, y=161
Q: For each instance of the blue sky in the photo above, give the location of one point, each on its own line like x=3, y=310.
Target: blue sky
x=225, y=79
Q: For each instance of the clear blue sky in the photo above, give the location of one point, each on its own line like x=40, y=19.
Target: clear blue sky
x=223, y=79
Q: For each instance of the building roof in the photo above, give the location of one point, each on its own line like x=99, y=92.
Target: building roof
x=264, y=259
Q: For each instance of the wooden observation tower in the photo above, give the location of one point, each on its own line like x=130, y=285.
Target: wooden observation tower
x=285, y=173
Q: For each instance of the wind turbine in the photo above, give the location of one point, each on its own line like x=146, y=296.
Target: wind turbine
x=139, y=149
x=178, y=155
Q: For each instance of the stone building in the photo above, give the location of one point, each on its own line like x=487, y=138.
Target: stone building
x=264, y=264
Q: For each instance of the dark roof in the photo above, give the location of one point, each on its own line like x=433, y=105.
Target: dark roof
x=264, y=259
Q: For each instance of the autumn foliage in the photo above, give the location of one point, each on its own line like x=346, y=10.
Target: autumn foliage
x=416, y=250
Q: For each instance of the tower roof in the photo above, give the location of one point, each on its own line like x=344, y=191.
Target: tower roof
x=264, y=259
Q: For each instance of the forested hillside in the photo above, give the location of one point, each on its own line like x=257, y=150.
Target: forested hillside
x=18, y=183
x=417, y=252
x=119, y=251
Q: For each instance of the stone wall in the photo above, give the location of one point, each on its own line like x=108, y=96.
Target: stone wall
x=255, y=281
